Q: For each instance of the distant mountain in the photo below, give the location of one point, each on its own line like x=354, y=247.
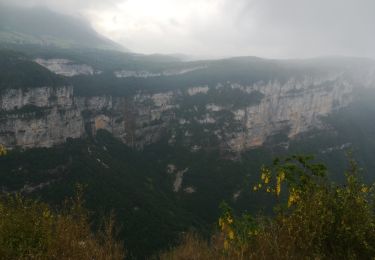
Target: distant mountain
x=43, y=27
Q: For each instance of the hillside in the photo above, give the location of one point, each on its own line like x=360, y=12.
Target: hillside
x=312, y=218
x=42, y=27
x=162, y=142
x=140, y=186
x=18, y=71
x=106, y=153
x=32, y=229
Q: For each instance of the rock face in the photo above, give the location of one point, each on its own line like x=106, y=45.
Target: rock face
x=294, y=107
x=13, y=99
x=38, y=117
x=148, y=74
x=66, y=67
x=198, y=116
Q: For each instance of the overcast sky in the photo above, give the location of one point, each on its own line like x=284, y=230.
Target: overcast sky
x=218, y=28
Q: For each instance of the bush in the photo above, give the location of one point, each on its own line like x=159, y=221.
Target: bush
x=3, y=150
x=313, y=218
x=31, y=230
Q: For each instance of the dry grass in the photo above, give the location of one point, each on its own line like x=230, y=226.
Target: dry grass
x=191, y=248
x=31, y=230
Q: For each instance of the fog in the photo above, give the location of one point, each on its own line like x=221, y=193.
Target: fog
x=222, y=28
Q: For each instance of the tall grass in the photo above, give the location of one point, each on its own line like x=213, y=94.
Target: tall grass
x=32, y=230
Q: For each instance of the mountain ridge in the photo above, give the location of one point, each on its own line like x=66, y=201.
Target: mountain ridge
x=43, y=27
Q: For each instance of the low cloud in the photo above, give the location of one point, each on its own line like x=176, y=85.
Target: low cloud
x=216, y=28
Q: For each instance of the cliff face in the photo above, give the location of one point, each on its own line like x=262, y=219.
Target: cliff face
x=66, y=67
x=38, y=117
x=232, y=116
x=292, y=108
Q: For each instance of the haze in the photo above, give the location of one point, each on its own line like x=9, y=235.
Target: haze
x=222, y=28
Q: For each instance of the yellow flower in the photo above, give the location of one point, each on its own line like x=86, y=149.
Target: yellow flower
x=282, y=176
x=230, y=220
x=364, y=189
x=278, y=188
x=231, y=234
x=46, y=214
x=3, y=150
x=255, y=188
x=226, y=245
x=259, y=185
x=221, y=222
x=278, y=185
x=268, y=189
x=279, y=179
x=293, y=197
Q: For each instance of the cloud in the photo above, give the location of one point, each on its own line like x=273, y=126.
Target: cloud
x=267, y=28
x=311, y=28
x=66, y=6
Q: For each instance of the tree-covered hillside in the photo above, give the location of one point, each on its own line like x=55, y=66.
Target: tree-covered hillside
x=18, y=71
x=168, y=188
x=140, y=185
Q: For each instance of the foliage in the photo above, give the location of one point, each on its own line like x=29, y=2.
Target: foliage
x=32, y=230
x=192, y=247
x=314, y=218
x=134, y=184
x=3, y=150
x=237, y=233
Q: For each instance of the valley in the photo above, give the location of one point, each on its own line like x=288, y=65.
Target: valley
x=160, y=141
x=164, y=156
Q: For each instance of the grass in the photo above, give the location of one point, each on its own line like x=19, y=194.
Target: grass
x=32, y=230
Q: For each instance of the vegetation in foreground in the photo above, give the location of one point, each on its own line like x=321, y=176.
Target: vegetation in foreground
x=32, y=230
x=314, y=219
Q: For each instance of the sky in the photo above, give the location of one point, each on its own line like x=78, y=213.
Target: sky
x=223, y=28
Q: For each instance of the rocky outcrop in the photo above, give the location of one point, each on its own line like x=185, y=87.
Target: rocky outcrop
x=43, y=117
x=148, y=74
x=38, y=117
x=66, y=67
x=13, y=99
x=293, y=108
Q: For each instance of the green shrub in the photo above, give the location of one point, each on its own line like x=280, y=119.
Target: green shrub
x=31, y=230
x=314, y=218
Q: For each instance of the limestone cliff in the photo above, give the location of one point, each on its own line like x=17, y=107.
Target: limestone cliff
x=46, y=116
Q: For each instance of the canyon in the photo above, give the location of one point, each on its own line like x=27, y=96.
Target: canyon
x=46, y=116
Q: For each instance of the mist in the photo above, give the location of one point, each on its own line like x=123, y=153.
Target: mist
x=223, y=28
